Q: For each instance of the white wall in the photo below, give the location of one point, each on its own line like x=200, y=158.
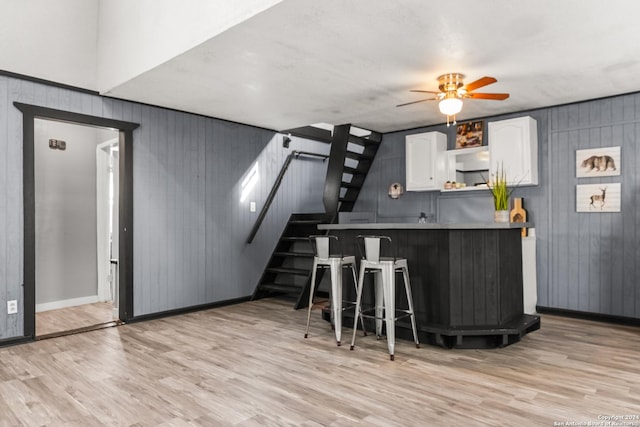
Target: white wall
x=51, y=40
x=135, y=37
x=97, y=44
x=65, y=188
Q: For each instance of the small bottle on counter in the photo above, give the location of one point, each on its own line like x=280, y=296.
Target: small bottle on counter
x=422, y=219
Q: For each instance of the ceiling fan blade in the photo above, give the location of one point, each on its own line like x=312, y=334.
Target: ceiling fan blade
x=484, y=81
x=415, y=102
x=494, y=96
x=423, y=91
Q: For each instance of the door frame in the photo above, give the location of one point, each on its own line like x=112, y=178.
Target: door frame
x=102, y=158
x=125, y=214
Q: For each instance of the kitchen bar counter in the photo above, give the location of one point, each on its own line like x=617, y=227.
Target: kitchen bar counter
x=427, y=226
x=466, y=280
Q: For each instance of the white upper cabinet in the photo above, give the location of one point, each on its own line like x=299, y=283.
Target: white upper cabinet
x=513, y=145
x=425, y=163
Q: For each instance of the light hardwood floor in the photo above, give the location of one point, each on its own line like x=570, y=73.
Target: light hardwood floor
x=249, y=365
x=66, y=319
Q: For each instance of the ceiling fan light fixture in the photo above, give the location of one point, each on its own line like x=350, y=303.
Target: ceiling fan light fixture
x=453, y=90
x=450, y=106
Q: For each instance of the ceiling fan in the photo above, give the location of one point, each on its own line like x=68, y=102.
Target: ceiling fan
x=453, y=90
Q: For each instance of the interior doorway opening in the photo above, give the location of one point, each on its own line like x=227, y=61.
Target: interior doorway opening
x=76, y=173
x=122, y=284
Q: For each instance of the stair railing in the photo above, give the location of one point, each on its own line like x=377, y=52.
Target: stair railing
x=276, y=185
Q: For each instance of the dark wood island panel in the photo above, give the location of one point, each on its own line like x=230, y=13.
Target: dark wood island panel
x=466, y=280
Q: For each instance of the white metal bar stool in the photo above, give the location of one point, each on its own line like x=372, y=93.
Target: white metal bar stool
x=323, y=246
x=385, y=269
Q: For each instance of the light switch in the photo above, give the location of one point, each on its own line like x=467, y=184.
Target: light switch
x=252, y=207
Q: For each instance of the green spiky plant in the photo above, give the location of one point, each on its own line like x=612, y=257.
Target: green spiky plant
x=499, y=190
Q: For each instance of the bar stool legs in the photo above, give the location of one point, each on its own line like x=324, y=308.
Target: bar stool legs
x=407, y=286
x=358, y=312
x=378, y=280
x=336, y=298
x=389, y=293
x=385, y=297
x=335, y=264
x=311, y=293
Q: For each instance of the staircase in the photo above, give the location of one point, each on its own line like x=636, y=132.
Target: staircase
x=288, y=272
x=358, y=159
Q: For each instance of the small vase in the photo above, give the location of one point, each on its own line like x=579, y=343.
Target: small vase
x=501, y=216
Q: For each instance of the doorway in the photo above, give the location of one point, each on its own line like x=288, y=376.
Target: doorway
x=75, y=173
x=122, y=269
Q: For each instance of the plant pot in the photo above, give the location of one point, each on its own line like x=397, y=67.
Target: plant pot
x=501, y=216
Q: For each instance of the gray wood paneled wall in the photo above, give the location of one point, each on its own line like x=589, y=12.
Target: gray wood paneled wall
x=586, y=262
x=189, y=225
x=594, y=256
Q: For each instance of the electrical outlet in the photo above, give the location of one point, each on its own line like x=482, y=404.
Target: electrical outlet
x=252, y=207
x=12, y=306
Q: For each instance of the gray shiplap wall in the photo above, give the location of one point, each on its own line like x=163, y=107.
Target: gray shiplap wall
x=586, y=262
x=594, y=256
x=189, y=226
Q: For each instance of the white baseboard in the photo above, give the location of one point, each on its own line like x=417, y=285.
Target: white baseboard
x=53, y=305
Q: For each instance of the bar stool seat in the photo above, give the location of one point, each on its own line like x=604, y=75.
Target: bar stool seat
x=323, y=246
x=385, y=269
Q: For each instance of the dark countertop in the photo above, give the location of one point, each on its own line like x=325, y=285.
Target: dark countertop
x=427, y=226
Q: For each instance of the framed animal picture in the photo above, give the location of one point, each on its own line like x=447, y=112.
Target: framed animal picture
x=598, y=162
x=597, y=198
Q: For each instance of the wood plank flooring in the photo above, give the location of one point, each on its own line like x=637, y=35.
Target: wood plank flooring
x=249, y=365
x=65, y=319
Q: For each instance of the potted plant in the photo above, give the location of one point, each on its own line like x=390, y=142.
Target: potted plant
x=501, y=194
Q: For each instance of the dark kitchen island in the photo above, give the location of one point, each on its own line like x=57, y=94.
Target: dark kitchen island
x=466, y=280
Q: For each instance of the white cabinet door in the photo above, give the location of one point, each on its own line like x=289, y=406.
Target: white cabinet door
x=424, y=155
x=513, y=147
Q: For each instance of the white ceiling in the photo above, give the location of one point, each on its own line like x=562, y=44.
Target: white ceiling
x=349, y=61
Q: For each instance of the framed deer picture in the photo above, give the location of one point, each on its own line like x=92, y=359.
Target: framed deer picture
x=597, y=198
x=598, y=162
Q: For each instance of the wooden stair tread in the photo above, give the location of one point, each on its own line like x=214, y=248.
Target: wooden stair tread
x=352, y=171
x=295, y=238
x=373, y=139
x=358, y=156
x=349, y=199
x=306, y=221
x=350, y=185
x=294, y=254
x=281, y=287
x=288, y=270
